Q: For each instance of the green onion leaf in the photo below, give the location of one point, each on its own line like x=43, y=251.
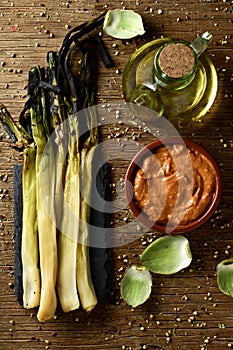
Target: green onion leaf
x=167, y=255
x=225, y=276
x=136, y=285
x=123, y=24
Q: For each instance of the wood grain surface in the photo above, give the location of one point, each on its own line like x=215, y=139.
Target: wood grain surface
x=185, y=310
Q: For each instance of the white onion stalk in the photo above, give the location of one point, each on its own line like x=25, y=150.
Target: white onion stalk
x=68, y=237
x=84, y=282
x=45, y=186
x=29, y=248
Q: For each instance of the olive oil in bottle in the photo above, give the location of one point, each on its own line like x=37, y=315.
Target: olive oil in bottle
x=173, y=77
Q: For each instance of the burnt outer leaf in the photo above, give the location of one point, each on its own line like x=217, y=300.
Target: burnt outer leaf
x=102, y=50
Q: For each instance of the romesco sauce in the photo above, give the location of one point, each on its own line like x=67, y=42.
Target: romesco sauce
x=159, y=186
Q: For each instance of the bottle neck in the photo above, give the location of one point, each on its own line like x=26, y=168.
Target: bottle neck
x=175, y=65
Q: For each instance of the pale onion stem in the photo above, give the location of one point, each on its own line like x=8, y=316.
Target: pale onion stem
x=29, y=249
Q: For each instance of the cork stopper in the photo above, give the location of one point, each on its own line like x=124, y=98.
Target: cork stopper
x=176, y=60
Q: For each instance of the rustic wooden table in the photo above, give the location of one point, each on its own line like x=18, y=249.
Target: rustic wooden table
x=186, y=310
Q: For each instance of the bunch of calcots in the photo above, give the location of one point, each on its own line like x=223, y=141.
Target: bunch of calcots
x=51, y=182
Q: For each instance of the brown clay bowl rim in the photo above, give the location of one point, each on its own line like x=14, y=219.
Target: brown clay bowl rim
x=133, y=166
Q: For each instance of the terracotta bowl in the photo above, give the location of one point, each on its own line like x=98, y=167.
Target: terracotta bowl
x=186, y=219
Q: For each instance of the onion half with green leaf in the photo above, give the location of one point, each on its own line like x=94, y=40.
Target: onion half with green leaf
x=225, y=276
x=167, y=255
x=136, y=285
x=123, y=24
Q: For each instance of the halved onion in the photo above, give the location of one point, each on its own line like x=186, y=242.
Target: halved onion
x=167, y=255
x=123, y=24
x=136, y=285
x=225, y=276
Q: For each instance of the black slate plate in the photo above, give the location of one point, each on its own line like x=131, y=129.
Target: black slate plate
x=99, y=257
